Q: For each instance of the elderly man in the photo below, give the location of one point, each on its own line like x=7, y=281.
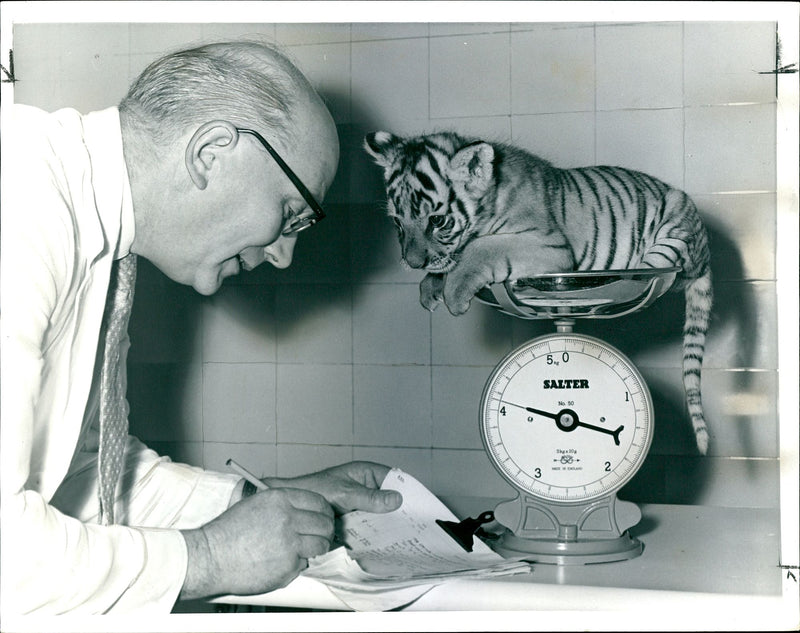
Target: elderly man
x=193, y=173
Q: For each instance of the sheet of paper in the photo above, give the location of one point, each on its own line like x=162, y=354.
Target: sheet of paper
x=390, y=560
x=408, y=542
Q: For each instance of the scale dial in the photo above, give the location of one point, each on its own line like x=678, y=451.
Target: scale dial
x=566, y=418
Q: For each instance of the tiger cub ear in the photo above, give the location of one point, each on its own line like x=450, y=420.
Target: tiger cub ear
x=472, y=168
x=382, y=146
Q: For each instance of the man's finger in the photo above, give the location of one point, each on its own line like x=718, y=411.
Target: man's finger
x=311, y=546
x=372, y=500
x=307, y=500
x=310, y=523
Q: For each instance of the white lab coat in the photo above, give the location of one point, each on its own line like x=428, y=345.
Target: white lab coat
x=66, y=215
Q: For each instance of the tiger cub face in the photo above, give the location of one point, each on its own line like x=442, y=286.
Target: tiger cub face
x=433, y=184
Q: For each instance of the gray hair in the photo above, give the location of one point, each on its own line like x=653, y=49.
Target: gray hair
x=247, y=83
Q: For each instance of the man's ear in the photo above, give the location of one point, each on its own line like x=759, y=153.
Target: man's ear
x=382, y=146
x=472, y=168
x=204, y=148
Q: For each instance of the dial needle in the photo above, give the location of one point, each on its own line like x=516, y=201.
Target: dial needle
x=567, y=420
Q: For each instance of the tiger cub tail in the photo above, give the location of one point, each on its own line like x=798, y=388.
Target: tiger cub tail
x=699, y=296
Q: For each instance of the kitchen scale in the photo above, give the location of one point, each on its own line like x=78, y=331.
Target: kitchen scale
x=567, y=419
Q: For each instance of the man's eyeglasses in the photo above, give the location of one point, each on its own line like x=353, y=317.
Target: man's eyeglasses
x=300, y=222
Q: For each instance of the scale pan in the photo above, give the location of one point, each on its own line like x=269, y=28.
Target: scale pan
x=586, y=294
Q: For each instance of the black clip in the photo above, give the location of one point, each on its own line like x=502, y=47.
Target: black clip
x=463, y=532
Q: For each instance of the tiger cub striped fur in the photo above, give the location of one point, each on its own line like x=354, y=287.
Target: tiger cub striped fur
x=472, y=213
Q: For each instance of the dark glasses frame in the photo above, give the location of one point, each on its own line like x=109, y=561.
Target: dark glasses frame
x=302, y=222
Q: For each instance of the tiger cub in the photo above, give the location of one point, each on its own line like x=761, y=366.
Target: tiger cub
x=472, y=213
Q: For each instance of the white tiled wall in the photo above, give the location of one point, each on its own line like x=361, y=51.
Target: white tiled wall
x=639, y=66
x=333, y=359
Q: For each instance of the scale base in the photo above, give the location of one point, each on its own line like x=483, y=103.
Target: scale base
x=594, y=531
x=556, y=552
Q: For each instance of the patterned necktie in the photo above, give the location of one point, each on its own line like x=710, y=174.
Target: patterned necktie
x=113, y=405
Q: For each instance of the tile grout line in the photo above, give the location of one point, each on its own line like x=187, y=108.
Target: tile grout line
x=351, y=271
x=594, y=83
x=683, y=102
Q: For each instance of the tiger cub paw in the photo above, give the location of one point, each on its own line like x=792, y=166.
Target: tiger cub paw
x=458, y=302
x=431, y=289
x=462, y=284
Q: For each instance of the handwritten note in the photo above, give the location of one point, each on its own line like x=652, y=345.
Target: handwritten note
x=408, y=542
x=391, y=559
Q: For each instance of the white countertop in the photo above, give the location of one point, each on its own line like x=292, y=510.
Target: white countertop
x=718, y=556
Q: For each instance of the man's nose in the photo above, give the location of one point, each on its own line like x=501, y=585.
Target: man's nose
x=279, y=253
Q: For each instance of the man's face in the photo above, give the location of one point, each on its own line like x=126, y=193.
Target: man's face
x=251, y=200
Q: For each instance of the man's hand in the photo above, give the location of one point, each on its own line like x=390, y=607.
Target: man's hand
x=257, y=545
x=352, y=486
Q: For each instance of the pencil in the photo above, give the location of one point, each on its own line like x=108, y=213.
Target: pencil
x=247, y=475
